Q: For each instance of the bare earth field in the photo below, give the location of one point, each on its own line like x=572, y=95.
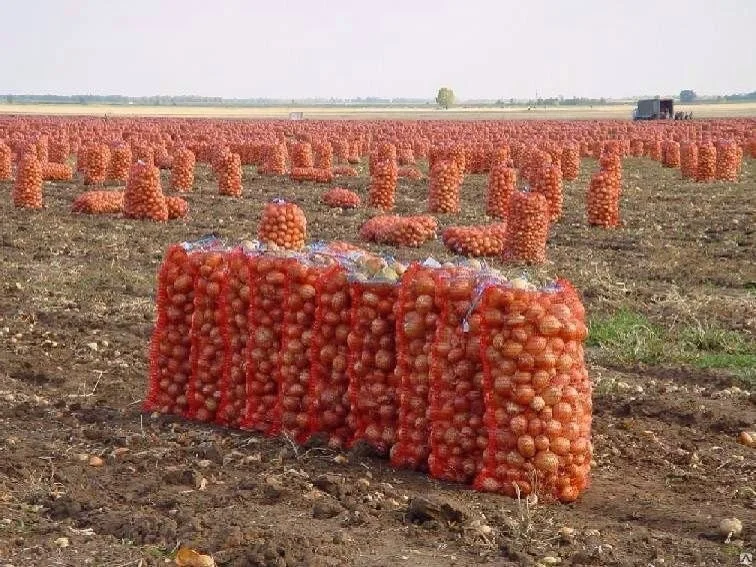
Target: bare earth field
x=619, y=111
x=671, y=300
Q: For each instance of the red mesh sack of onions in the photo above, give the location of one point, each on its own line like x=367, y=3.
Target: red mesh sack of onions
x=182, y=171
x=163, y=159
x=338, y=197
x=549, y=184
x=98, y=202
x=275, y=159
x=52, y=171
x=707, y=163
x=409, y=172
x=229, y=172
x=500, y=155
x=344, y=171
x=396, y=230
x=6, y=162
x=636, y=147
x=537, y=391
x=457, y=436
x=602, y=202
x=236, y=301
x=42, y=148
x=208, y=334
x=27, y=190
x=143, y=197
x=456, y=404
x=527, y=227
x=300, y=304
x=322, y=155
x=340, y=149
x=417, y=314
x=330, y=408
x=384, y=151
x=59, y=150
x=98, y=162
x=171, y=345
x=502, y=181
x=443, y=195
x=611, y=164
x=728, y=161
x=283, y=224
x=177, y=207
x=372, y=381
x=405, y=155
x=688, y=160
x=570, y=161
x=670, y=154
x=653, y=149
x=265, y=319
x=120, y=163
x=144, y=153
x=480, y=240
x=382, y=190
x=301, y=155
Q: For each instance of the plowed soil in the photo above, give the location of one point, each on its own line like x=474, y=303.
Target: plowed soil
x=77, y=311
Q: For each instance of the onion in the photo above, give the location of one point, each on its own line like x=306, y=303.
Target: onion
x=283, y=224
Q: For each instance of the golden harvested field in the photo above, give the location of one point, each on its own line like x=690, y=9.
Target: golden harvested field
x=620, y=112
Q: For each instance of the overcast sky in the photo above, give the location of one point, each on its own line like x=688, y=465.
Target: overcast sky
x=386, y=48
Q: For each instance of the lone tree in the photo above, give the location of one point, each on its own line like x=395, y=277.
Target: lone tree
x=445, y=97
x=687, y=96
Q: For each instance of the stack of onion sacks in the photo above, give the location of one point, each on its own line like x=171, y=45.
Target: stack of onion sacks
x=27, y=191
x=301, y=155
x=502, y=181
x=322, y=155
x=570, y=161
x=457, y=435
x=671, y=154
x=143, y=197
x=98, y=202
x=417, y=314
x=229, y=172
x=602, y=201
x=443, y=196
x=527, y=227
x=98, y=162
x=182, y=172
x=338, y=197
x=479, y=241
x=728, y=161
x=538, y=394
x=208, y=335
x=170, y=349
x=688, y=160
x=6, y=162
x=707, y=162
x=283, y=224
x=382, y=191
x=549, y=184
x=120, y=162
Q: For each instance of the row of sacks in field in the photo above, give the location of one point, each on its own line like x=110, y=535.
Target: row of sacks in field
x=451, y=369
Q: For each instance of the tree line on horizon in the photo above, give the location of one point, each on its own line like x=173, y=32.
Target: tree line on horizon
x=444, y=99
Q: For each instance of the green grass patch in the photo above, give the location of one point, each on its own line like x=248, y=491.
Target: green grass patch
x=628, y=337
